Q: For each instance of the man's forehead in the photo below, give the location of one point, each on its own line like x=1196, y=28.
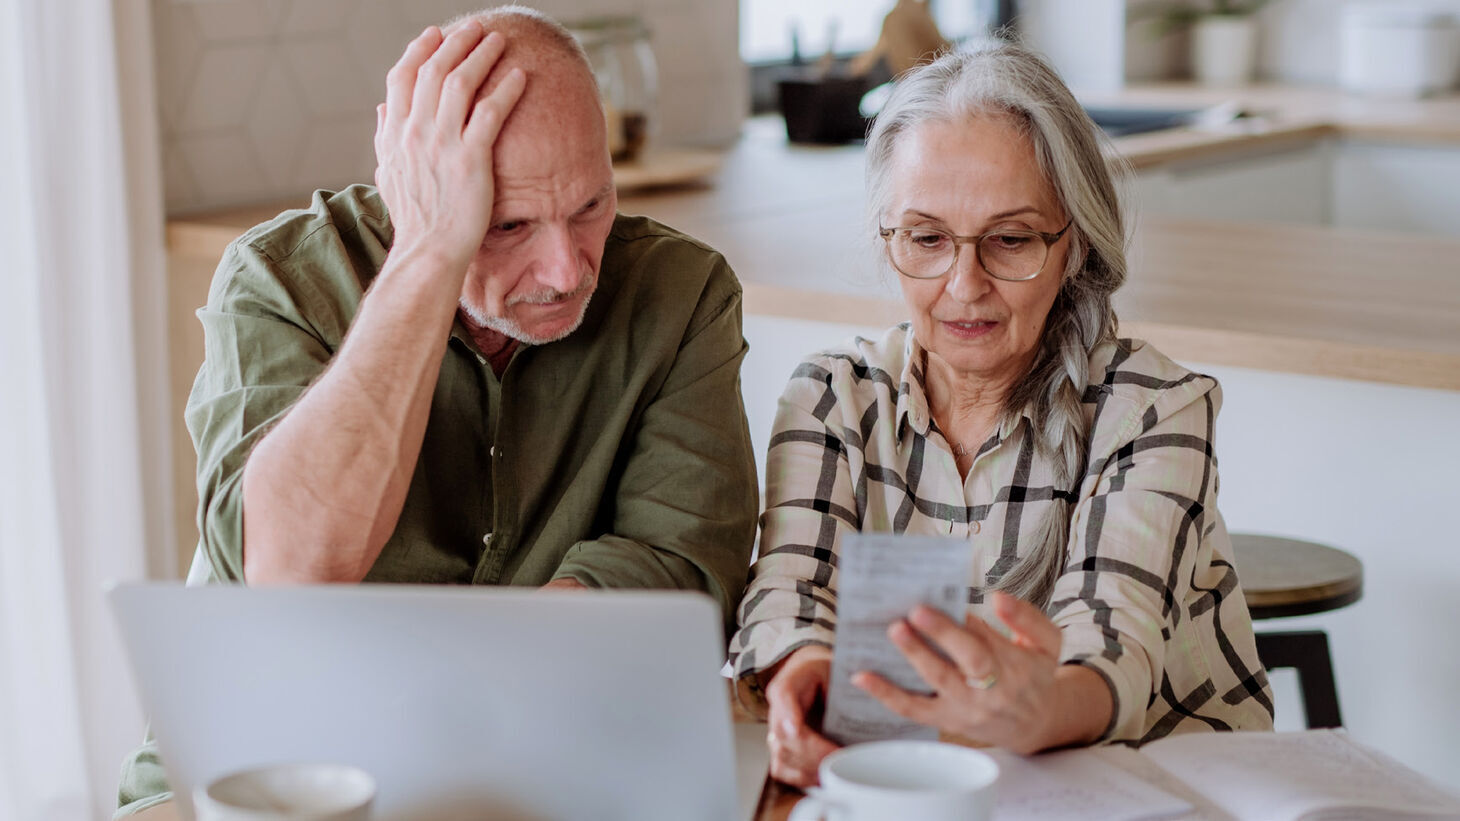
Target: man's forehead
x=561, y=191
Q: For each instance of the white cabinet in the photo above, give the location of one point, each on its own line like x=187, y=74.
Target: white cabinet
x=1397, y=187
x=1290, y=186
x=1347, y=183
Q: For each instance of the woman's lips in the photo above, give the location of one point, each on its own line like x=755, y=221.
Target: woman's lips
x=971, y=329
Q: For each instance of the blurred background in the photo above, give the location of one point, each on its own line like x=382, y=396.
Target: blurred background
x=1297, y=181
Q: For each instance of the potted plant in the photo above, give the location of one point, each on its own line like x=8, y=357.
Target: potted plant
x=1223, y=36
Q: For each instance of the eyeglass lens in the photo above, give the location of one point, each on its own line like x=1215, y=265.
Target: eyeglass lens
x=927, y=253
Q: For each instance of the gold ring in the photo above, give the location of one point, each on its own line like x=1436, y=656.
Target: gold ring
x=982, y=682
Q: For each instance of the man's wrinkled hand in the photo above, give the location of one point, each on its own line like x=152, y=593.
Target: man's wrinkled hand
x=434, y=137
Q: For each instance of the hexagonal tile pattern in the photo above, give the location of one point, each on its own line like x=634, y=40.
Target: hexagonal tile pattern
x=178, y=191
x=317, y=16
x=376, y=36
x=276, y=125
x=691, y=41
x=224, y=170
x=261, y=99
x=337, y=153
x=227, y=81
x=422, y=13
x=178, y=46
x=325, y=72
x=230, y=20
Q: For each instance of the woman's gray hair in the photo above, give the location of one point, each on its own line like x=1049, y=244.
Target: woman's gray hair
x=1008, y=80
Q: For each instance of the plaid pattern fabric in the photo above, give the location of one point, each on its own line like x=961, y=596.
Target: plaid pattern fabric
x=1148, y=597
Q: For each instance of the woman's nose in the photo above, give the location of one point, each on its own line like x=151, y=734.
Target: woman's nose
x=968, y=281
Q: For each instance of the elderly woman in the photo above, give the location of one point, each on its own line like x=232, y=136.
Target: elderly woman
x=1079, y=466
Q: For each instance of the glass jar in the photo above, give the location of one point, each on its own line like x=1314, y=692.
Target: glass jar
x=628, y=79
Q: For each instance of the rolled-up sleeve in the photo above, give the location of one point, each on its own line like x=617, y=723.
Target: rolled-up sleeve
x=261, y=355
x=810, y=506
x=1139, y=536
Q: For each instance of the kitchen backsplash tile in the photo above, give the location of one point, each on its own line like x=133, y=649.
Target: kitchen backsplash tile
x=224, y=161
x=226, y=20
x=318, y=16
x=218, y=99
x=268, y=99
x=273, y=124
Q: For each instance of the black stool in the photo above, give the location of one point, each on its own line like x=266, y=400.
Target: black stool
x=1288, y=577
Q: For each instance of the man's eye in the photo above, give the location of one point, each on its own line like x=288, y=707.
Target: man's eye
x=507, y=227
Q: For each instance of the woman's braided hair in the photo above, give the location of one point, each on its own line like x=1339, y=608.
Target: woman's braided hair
x=1008, y=80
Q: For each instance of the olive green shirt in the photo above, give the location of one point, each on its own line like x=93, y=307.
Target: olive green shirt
x=618, y=456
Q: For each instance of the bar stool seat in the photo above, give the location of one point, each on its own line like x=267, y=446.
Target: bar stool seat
x=1289, y=577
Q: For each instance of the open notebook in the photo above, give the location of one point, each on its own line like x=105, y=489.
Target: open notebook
x=1303, y=776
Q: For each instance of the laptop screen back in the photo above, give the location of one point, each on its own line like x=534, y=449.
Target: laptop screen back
x=462, y=702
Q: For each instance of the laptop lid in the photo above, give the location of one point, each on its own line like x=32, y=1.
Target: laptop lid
x=462, y=702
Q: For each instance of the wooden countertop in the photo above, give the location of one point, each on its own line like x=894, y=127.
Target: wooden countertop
x=1312, y=300
x=1279, y=115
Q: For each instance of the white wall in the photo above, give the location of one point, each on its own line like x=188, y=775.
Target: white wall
x=1363, y=467
x=1300, y=38
x=1298, y=41
x=262, y=100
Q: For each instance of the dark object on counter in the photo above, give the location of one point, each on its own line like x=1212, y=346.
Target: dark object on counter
x=824, y=109
x=1119, y=122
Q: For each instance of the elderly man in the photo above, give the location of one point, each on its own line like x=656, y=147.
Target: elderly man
x=475, y=372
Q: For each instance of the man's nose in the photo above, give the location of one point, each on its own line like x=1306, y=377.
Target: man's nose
x=968, y=280
x=560, y=268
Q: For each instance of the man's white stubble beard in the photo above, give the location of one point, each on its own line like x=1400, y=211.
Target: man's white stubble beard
x=509, y=327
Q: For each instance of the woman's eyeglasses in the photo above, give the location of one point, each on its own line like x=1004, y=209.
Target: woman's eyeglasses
x=928, y=253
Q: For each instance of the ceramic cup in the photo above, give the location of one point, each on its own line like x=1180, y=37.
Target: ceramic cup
x=881, y=780
x=288, y=792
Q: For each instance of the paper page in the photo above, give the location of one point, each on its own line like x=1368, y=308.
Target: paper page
x=881, y=576
x=1138, y=765
x=1290, y=775
x=1077, y=785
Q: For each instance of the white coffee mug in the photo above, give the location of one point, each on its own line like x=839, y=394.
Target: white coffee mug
x=288, y=792
x=882, y=780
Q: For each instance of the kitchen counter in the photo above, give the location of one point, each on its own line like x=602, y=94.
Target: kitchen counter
x=1312, y=300
x=1277, y=115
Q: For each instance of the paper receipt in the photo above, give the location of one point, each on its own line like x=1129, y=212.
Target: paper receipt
x=881, y=576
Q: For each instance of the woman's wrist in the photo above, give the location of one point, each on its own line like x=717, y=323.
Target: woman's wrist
x=763, y=677
x=1082, y=708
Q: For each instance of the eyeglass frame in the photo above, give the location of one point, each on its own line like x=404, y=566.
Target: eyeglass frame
x=974, y=240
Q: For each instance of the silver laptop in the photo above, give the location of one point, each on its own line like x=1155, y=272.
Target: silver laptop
x=462, y=702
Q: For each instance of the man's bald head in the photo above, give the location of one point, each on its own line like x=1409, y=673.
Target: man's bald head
x=560, y=84
x=554, y=201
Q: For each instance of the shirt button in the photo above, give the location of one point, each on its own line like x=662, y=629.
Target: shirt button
x=973, y=528
x=487, y=540
x=492, y=451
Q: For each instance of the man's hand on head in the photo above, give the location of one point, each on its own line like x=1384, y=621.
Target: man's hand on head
x=434, y=136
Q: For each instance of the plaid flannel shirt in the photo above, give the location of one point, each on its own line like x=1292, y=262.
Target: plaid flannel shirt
x=1148, y=597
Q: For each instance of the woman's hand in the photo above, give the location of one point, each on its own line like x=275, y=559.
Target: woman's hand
x=434, y=137
x=796, y=685
x=1009, y=692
